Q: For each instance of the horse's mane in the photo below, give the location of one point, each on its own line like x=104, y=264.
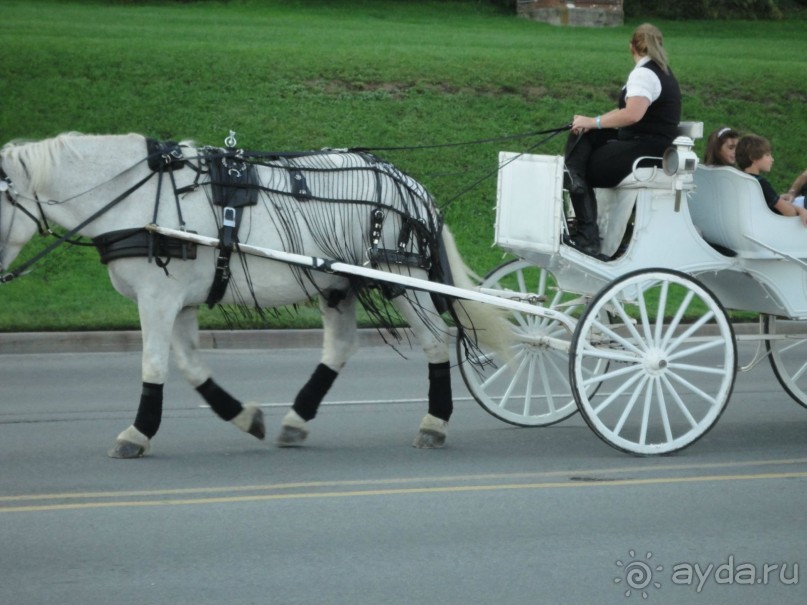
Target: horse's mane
x=36, y=159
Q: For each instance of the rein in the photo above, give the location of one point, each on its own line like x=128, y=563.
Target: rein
x=524, y=135
x=552, y=132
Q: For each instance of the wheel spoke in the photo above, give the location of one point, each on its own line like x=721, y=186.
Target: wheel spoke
x=503, y=368
x=796, y=344
x=550, y=398
x=690, y=330
x=662, y=304
x=612, y=354
x=562, y=372
x=703, y=395
x=528, y=390
x=616, y=393
x=627, y=321
x=613, y=374
x=628, y=406
x=679, y=402
x=798, y=374
x=513, y=382
x=662, y=406
x=711, y=344
x=693, y=368
x=621, y=340
x=648, y=401
x=645, y=321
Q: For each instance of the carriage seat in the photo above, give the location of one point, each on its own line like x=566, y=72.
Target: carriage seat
x=729, y=209
x=615, y=205
x=647, y=172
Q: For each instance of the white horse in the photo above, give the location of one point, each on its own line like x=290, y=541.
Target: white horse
x=350, y=207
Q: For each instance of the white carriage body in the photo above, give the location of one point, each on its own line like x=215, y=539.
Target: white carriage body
x=676, y=220
x=770, y=274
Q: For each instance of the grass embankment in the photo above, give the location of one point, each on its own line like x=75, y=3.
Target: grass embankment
x=305, y=75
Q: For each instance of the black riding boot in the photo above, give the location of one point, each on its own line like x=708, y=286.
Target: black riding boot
x=578, y=150
x=587, y=238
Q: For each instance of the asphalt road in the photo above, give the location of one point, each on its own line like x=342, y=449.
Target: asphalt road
x=501, y=515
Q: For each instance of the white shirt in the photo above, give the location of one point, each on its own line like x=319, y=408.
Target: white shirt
x=643, y=82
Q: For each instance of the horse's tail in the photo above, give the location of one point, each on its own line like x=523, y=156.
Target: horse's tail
x=478, y=324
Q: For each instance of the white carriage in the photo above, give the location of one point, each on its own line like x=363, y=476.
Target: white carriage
x=652, y=359
x=640, y=343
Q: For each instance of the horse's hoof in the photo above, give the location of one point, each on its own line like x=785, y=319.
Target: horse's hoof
x=257, y=428
x=127, y=449
x=428, y=440
x=293, y=431
x=432, y=434
x=291, y=437
x=131, y=443
x=250, y=420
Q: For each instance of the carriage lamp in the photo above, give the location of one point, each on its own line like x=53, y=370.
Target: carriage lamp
x=679, y=161
x=680, y=157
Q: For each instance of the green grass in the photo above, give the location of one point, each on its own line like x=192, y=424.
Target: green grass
x=304, y=75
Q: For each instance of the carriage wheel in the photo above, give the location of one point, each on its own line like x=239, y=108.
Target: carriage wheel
x=788, y=356
x=531, y=388
x=673, y=362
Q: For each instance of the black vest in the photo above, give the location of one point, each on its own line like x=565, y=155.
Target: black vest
x=663, y=115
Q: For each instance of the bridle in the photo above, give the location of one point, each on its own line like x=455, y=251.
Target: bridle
x=10, y=192
x=7, y=188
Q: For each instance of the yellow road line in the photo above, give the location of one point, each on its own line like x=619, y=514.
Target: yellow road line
x=593, y=473
x=406, y=491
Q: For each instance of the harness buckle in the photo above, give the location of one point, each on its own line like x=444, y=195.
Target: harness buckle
x=228, y=217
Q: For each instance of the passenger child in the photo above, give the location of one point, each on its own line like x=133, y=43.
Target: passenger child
x=799, y=189
x=720, y=147
x=754, y=157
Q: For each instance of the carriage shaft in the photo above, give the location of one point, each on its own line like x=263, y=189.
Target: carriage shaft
x=331, y=266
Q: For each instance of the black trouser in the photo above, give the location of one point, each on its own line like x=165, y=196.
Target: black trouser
x=599, y=158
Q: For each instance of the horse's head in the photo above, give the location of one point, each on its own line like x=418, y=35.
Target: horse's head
x=19, y=215
x=38, y=178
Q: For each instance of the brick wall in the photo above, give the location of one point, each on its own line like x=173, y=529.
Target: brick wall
x=583, y=13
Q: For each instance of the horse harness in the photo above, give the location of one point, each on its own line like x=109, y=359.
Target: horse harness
x=233, y=187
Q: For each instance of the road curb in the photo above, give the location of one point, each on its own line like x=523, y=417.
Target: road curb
x=19, y=343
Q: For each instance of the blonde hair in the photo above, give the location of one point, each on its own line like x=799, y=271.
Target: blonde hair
x=648, y=41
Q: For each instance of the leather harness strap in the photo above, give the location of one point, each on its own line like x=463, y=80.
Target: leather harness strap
x=234, y=186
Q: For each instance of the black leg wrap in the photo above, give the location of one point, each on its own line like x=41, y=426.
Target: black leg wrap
x=441, y=403
x=150, y=412
x=220, y=401
x=311, y=395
